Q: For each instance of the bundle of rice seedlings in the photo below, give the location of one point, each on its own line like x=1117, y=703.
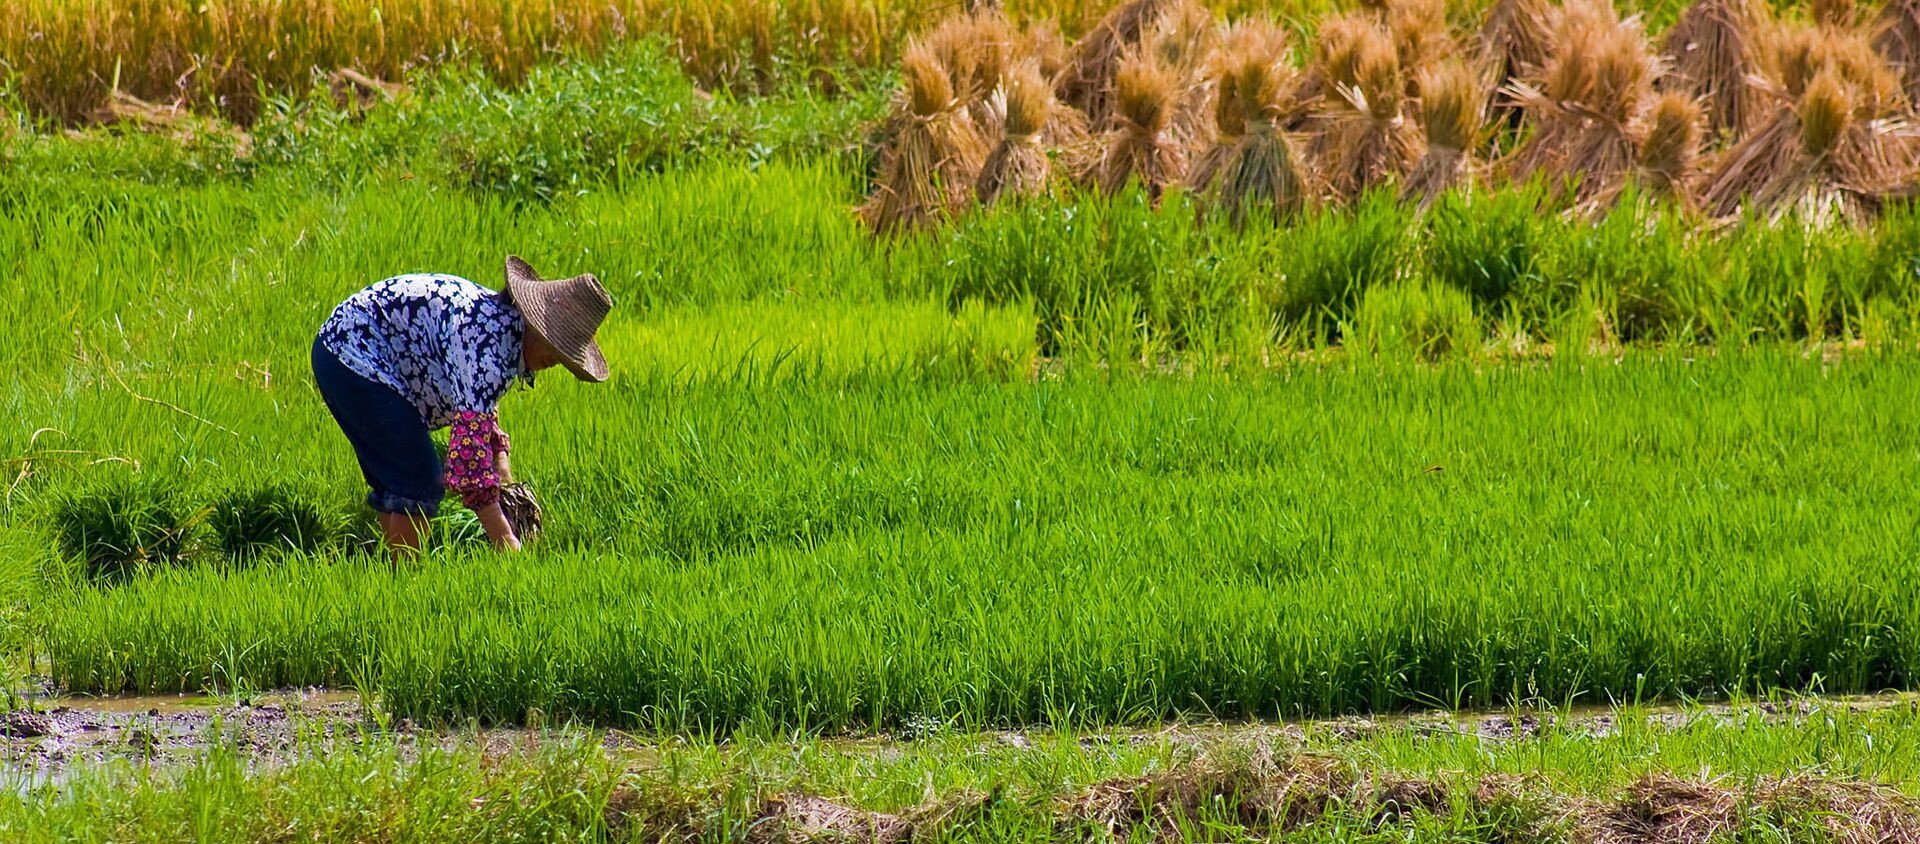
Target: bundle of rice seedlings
x=1450, y=117
x=928, y=167
x=1896, y=37
x=1018, y=166
x=1369, y=140
x=1835, y=144
x=1712, y=54
x=1512, y=46
x=1670, y=147
x=1596, y=82
x=1087, y=81
x=1255, y=162
x=1146, y=92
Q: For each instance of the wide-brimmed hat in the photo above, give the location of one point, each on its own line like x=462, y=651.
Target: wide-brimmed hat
x=563, y=312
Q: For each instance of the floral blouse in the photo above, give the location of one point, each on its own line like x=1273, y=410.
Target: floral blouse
x=451, y=348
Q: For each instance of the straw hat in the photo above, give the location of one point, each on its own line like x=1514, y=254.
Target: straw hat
x=565, y=313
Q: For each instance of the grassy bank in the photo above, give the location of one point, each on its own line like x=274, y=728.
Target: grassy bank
x=1838, y=776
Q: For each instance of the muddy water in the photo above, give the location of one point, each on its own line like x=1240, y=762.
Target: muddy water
x=270, y=727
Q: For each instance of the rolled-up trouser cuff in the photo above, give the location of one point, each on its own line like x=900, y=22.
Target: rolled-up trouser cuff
x=387, y=502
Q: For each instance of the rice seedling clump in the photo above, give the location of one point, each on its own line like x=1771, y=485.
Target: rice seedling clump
x=117, y=530
x=247, y=523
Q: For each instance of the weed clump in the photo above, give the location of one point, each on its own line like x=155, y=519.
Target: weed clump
x=1429, y=321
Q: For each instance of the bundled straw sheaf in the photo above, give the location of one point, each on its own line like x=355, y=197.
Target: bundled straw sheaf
x=1421, y=37
x=1596, y=83
x=1670, y=147
x=1513, y=46
x=1018, y=166
x=1146, y=92
x=1450, y=117
x=977, y=49
x=1835, y=142
x=1369, y=140
x=1713, y=56
x=1185, y=41
x=927, y=171
x=1896, y=37
x=1255, y=163
x=1087, y=80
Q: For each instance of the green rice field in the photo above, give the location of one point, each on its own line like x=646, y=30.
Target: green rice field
x=812, y=499
x=1092, y=516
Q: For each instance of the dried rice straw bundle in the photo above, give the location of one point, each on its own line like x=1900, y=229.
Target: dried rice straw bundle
x=1712, y=54
x=1512, y=46
x=1018, y=166
x=928, y=167
x=1420, y=37
x=978, y=49
x=1370, y=140
x=1255, y=37
x=1896, y=37
x=1837, y=145
x=1835, y=14
x=1185, y=40
x=1596, y=83
x=1670, y=148
x=1087, y=81
x=1450, y=116
x=1043, y=43
x=1332, y=70
x=1146, y=91
x=1255, y=161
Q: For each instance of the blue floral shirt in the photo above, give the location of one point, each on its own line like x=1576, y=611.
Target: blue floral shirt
x=451, y=348
x=445, y=344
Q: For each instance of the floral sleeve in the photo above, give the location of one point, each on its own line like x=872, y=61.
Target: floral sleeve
x=473, y=448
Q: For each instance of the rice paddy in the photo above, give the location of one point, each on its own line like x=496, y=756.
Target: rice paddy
x=1197, y=369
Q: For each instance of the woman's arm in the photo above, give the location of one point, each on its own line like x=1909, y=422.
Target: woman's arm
x=498, y=530
x=476, y=465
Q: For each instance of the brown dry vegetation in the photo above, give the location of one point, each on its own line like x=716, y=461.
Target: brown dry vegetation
x=1018, y=166
x=1723, y=121
x=929, y=166
x=1451, y=111
x=1596, y=84
x=1833, y=143
x=1712, y=54
x=1263, y=794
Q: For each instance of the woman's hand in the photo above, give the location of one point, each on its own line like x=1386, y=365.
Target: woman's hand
x=503, y=468
x=498, y=530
